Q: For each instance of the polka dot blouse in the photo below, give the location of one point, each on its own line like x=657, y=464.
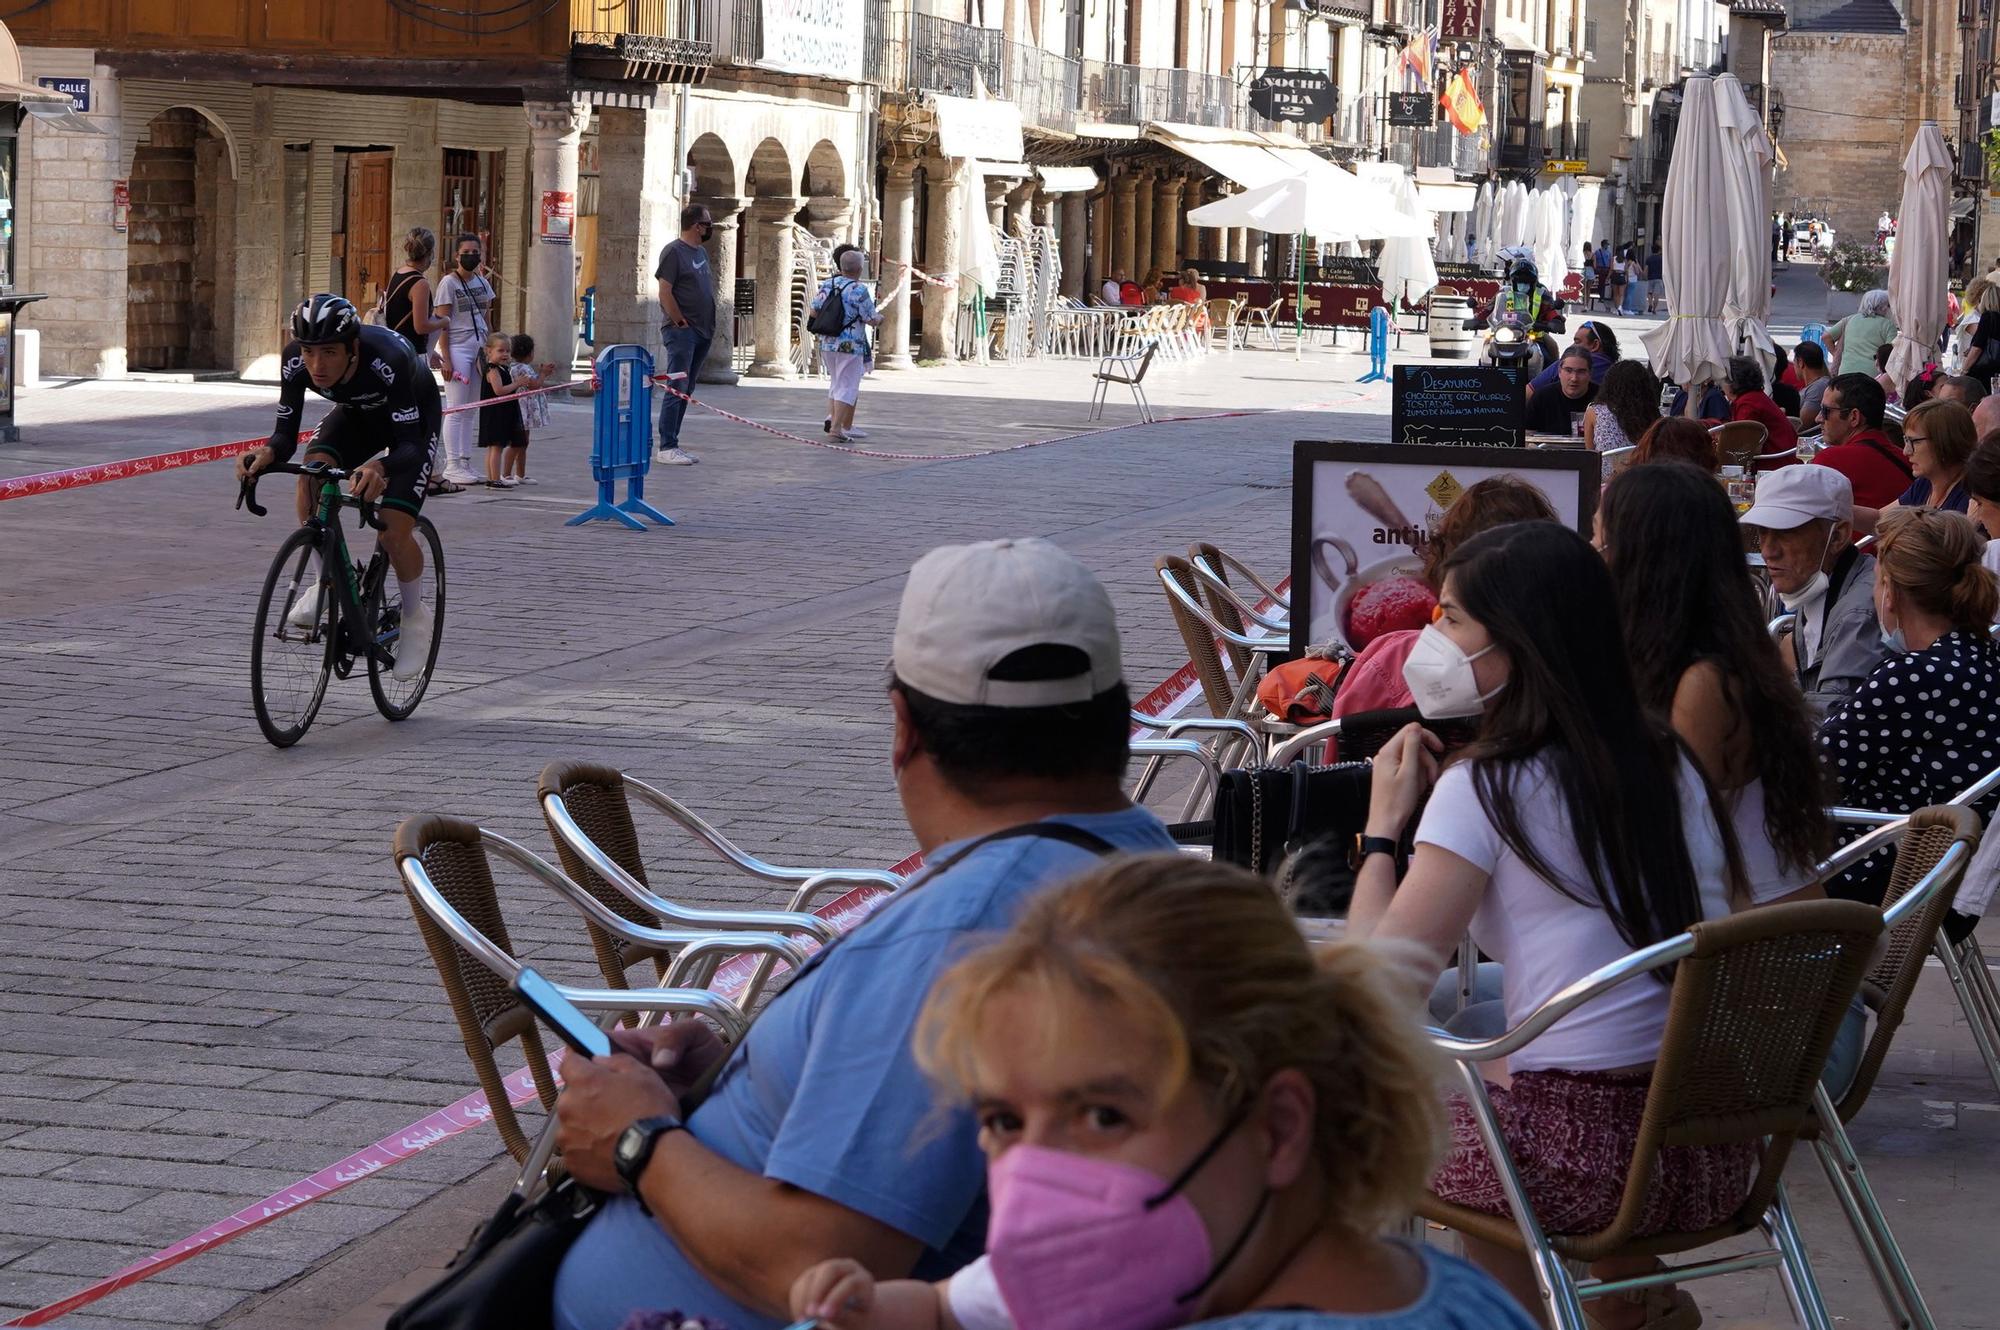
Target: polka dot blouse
x=1923, y=727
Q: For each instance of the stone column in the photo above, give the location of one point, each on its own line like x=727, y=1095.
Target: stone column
x=726, y=212
x=1044, y=210
x=996, y=203
x=1193, y=237
x=418, y=182
x=636, y=215
x=899, y=228
x=1143, y=259
x=1124, y=228
x=1167, y=223
x=1020, y=208
x=257, y=308
x=947, y=180
x=1075, y=222
x=771, y=243
x=829, y=216
x=554, y=129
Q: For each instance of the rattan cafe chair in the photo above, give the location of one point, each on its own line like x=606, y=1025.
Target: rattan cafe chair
x=1933, y=847
x=588, y=811
x=1756, y=1002
x=448, y=880
x=1739, y=442
x=1211, y=568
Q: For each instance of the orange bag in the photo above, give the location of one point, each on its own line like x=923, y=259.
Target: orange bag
x=1301, y=691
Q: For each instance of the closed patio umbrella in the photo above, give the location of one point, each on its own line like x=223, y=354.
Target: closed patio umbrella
x=1552, y=251
x=1746, y=198
x=1482, y=226
x=1917, y=270
x=1692, y=346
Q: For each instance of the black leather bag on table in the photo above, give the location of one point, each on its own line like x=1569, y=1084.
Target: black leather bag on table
x=507, y=1274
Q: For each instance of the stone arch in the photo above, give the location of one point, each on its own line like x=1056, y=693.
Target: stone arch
x=211, y=121
x=825, y=175
x=770, y=171
x=715, y=171
x=180, y=242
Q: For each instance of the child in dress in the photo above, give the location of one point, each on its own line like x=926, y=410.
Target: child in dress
x=534, y=410
x=499, y=425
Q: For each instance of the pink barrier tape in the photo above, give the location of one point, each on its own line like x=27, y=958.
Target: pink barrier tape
x=76, y=477
x=844, y=913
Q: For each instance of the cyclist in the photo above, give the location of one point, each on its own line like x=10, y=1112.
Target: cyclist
x=385, y=398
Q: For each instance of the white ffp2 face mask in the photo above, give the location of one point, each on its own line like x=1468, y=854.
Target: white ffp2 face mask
x=1440, y=678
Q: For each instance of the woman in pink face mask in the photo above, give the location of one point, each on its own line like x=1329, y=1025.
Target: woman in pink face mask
x=1188, y=1117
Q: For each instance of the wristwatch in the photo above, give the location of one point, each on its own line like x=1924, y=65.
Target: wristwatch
x=634, y=1149
x=1377, y=845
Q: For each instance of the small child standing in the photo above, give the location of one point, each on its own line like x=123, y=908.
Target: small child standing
x=499, y=425
x=534, y=410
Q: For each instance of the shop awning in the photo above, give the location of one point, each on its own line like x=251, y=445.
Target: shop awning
x=979, y=127
x=1234, y=154
x=1067, y=179
x=48, y=106
x=1004, y=170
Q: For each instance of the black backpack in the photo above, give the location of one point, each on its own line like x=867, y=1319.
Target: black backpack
x=830, y=319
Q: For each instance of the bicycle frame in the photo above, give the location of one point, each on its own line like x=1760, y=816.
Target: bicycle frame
x=352, y=615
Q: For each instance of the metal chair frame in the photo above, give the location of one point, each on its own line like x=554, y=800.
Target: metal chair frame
x=1128, y=370
x=1563, y=1293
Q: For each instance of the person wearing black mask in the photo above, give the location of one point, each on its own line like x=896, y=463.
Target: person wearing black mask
x=1557, y=412
x=465, y=311
x=687, y=306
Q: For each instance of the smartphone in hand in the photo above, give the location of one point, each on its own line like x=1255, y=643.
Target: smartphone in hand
x=561, y=1014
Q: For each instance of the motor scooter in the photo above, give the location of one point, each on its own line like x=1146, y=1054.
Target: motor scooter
x=1511, y=344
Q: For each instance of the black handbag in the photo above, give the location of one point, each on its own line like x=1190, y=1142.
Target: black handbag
x=507, y=1273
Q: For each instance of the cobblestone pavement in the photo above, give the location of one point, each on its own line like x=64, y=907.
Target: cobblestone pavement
x=215, y=985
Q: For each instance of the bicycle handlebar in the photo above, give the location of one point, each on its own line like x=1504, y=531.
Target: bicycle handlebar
x=246, y=493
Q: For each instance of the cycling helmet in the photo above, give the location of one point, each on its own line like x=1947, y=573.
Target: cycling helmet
x=323, y=319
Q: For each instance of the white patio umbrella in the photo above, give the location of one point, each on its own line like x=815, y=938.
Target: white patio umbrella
x=1406, y=266
x=1917, y=269
x=1746, y=203
x=1482, y=225
x=1551, y=245
x=1692, y=346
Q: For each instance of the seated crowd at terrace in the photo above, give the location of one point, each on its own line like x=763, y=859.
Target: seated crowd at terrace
x=1073, y=1077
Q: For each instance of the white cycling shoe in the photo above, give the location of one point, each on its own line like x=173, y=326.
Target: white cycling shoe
x=413, y=641
x=305, y=610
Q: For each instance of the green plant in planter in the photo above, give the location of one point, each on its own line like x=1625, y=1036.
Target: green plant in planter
x=1852, y=266
x=1989, y=143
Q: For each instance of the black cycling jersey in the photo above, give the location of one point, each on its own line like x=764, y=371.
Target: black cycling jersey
x=391, y=390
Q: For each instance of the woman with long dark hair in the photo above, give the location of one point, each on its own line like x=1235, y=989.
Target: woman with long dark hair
x=1627, y=406
x=1573, y=830
x=1701, y=655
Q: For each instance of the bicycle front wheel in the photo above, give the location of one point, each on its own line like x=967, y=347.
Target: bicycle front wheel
x=397, y=698
x=291, y=653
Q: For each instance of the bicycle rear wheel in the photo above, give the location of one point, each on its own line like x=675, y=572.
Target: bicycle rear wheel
x=289, y=666
x=397, y=698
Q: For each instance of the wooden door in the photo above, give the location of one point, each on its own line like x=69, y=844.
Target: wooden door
x=366, y=241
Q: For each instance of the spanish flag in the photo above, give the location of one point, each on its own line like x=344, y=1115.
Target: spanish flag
x=1461, y=104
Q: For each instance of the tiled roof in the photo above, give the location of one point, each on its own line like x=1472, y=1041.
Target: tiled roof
x=1844, y=16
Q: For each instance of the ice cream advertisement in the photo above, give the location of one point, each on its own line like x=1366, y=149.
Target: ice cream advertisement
x=1363, y=514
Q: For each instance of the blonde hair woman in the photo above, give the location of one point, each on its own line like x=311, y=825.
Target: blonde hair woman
x=1187, y=1117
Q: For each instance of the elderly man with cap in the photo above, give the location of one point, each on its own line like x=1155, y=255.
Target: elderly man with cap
x=1804, y=519
x=821, y=1137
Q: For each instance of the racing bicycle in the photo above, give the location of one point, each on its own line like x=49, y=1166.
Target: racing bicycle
x=359, y=618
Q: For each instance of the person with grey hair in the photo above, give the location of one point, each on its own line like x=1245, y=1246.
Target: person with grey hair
x=1743, y=385
x=844, y=350
x=1851, y=343
x=1967, y=391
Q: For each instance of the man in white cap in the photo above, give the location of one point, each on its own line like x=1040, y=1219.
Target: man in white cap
x=1804, y=517
x=821, y=1137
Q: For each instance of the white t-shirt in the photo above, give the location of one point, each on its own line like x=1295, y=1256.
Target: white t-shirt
x=1765, y=870
x=1546, y=940
x=974, y=1296
x=468, y=298
x=1991, y=555
x=1112, y=294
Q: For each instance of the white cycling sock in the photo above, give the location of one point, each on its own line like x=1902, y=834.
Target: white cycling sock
x=413, y=592
x=309, y=577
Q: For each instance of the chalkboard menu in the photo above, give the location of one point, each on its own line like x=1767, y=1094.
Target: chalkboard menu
x=1464, y=404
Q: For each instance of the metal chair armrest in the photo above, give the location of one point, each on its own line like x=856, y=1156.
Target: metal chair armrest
x=1187, y=748
x=820, y=883
x=1235, y=565
x=1309, y=737
x=609, y=869
x=1978, y=790
x=1208, y=577
x=1598, y=981
x=693, y=822
x=1268, y=646
x=1885, y=834
x=1236, y=729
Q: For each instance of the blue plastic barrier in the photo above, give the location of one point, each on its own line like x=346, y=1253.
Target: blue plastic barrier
x=1814, y=333
x=1378, y=346
x=621, y=441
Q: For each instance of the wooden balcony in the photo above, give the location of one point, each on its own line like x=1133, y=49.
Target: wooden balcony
x=638, y=41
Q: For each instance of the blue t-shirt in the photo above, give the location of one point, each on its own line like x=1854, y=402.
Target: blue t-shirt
x=1599, y=363
x=1919, y=493
x=1457, y=1296
x=825, y=1094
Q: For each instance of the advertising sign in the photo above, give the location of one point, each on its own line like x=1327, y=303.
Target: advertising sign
x=558, y=216
x=1460, y=18
x=1363, y=512
x=813, y=37
x=1412, y=108
x=1293, y=94
x=1475, y=404
x=121, y=204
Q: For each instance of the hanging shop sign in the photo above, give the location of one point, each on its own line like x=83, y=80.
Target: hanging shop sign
x=1412, y=108
x=1293, y=94
x=1460, y=18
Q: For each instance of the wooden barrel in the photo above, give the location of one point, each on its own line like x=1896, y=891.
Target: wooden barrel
x=1450, y=340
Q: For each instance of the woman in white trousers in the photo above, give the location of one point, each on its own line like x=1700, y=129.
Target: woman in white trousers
x=464, y=306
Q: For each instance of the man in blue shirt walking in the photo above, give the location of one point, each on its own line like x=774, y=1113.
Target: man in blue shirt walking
x=821, y=1137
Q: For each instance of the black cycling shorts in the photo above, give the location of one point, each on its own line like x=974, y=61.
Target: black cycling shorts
x=350, y=438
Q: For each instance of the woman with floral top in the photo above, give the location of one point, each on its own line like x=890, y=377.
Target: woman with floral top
x=846, y=353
